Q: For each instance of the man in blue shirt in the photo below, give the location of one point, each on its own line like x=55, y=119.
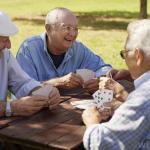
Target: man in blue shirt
x=53, y=57
x=129, y=127
x=13, y=78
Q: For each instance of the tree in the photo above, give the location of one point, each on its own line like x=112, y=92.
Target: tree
x=143, y=9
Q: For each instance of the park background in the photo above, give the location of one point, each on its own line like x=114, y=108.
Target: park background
x=102, y=23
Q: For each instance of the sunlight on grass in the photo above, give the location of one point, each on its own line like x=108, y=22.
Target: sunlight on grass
x=102, y=22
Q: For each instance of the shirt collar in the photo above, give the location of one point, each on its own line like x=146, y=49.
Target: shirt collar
x=143, y=78
x=43, y=37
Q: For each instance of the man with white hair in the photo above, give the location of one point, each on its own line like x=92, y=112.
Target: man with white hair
x=13, y=78
x=54, y=56
x=129, y=128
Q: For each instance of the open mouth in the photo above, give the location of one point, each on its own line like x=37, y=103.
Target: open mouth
x=68, y=40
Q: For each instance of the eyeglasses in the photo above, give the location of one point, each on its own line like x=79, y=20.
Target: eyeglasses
x=67, y=28
x=123, y=53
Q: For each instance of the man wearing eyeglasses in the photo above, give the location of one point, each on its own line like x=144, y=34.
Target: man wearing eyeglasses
x=129, y=128
x=54, y=56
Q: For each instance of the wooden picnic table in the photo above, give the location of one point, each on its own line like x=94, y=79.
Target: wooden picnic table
x=61, y=128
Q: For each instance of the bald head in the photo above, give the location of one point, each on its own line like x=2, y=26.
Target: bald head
x=58, y=15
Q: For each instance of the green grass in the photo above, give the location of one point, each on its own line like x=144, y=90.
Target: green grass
x=102, y=22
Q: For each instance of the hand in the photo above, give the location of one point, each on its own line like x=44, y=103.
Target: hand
x=92, y=85
x=54, y=98
x=106, y=113
x=71, y=80
x=109, y=109
x=119, y=92
x=29, y=105
x=119, y=74
x=91, y=116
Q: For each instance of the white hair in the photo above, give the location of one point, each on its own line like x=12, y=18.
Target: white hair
x=139, y=36
x=54, y=15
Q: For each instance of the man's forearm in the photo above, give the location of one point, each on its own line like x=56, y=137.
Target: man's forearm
x=57, y=82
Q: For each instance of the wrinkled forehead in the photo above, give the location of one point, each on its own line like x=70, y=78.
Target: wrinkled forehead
x=65, y=17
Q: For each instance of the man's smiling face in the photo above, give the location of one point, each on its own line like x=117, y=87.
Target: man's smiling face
x=63, y=33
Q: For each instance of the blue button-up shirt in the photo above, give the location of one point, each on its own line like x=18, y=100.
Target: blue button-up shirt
x=129, y=128
x=34, y=58
x=12, y=77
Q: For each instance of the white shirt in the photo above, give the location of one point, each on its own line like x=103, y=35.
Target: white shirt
x=12, y=77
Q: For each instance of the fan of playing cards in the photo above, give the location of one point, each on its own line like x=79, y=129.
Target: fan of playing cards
x=102, y=96
x=83, y=104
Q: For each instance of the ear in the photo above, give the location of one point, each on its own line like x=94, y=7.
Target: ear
x=47, y=27
x=139, y=56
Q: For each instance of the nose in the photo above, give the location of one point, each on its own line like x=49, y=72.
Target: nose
x=73, y=32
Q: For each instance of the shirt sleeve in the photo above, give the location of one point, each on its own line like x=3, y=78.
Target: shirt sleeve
x=25, y=60
x=93, y=62
x=18, y=81
x=125, y=130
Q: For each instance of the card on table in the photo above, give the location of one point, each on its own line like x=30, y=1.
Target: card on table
x=102, y=96
x=83, y=104
x=86, y=74
x=43, y=91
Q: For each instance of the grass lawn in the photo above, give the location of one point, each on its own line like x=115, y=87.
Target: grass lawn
x=102, y=22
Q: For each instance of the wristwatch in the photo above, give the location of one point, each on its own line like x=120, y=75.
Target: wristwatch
x=8, y=112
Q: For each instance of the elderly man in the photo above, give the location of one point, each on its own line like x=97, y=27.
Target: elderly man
x=129, y=128
x=12, y=77
x=54, y=56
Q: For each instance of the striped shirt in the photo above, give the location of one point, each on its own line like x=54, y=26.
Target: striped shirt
x=129, y=128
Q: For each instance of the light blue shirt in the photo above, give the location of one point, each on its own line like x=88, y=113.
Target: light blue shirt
x=12, y=77
x=129, y=128
x=34, y=58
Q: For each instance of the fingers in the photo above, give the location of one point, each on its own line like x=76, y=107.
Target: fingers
x=72, y=80
x=106, y=113
x=37, y=98
x=91, y=116
x=92, y=85
x=54, y=98
x=111, y=73
x=75, y=80
x=28, y=105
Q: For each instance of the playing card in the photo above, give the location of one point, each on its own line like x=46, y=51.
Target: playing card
x=83, y=104
x=43, y=91
x=86, y=74
x=102, y=96
x=107, y=95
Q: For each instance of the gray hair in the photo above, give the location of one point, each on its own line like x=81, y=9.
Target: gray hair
x=139, y=36
x=54, y=15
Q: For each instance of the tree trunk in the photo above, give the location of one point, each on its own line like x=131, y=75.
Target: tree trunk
x=143, y=9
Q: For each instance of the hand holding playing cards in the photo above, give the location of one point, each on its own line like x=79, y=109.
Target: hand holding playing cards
x=119, y=74
x=29, y=105
x=54, y=98
x=91, y=85
x=119, y=92
x=50, y=92
x=109, y=109
x=71, y=80
x=91, y=116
